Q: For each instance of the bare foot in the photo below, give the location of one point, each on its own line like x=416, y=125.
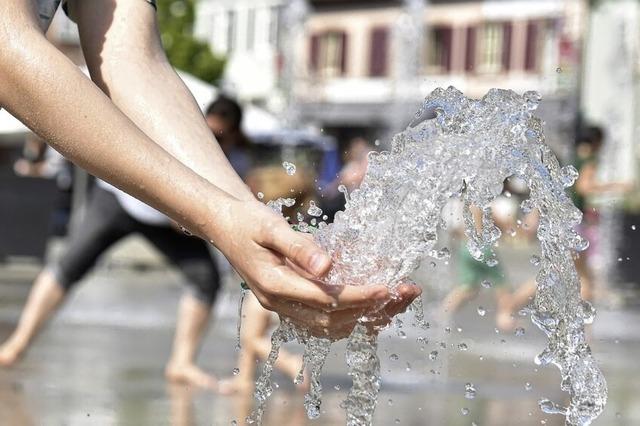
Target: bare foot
x=505, y=320
x=304, y=386
x=235, y=385
x=190, y=374
x=9, y=354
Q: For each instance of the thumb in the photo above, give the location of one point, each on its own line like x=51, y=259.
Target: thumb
x=299, y=249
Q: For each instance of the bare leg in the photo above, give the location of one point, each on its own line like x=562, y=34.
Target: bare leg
x=456, y=298
x=182, y=413
x=505, y=315
x=193, y=319
x=586, y=281
x=44, y=299
x=256, y=346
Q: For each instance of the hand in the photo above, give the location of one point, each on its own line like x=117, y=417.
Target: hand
x=283, y=269
x=338, y=325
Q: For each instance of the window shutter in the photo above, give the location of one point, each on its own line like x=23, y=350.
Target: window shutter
x=314, y=52
x=343, y=59
x=530, y=61
x=470, y=59
x=447, y=37
x=378, y=54
x=507, y=29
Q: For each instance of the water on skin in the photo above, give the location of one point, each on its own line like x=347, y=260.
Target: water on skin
x=391, y=223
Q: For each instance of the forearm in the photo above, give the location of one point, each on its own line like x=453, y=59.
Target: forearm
x=51, y=96
x=129, y=63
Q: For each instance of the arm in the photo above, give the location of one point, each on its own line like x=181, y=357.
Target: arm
x=54, y=99
x=588, y=185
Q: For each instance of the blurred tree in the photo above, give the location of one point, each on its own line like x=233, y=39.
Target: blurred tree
x=175, y=19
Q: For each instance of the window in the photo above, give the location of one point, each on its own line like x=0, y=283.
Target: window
x=438, y=45
x=532, y=47
x=251, y=29
x=231, y=30
x=379, y=52
x=274, y=25
x=494, y=49
x=328, y=53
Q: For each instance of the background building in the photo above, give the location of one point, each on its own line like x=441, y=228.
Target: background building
x=347, y=67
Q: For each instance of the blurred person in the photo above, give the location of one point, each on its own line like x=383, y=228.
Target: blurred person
x=351, y=175
x=471, y=273
x=147, y=137
x=112, y=215
x=256, y=346
x=589, y=144
x=586, y=187
x=224, y=118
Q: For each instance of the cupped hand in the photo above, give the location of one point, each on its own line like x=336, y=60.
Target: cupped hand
x=284, y=268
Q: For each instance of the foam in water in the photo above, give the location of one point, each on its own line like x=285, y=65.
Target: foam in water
x=391, y=223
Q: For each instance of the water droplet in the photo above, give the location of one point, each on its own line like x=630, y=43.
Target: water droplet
x=337, y=387
x=633, y=227
x=394, y=357
x=482, y=311
x=519, y=331
x=314, y=210
x=185, y=231
x=325, y=217
x=486, y=284
x=526, y=206
x=447, y=330
x=491, y=262
x=260, y=195
x=433, y=355
x=550, y=407
x=535, y=260
x=559, y=70
x=236, y=371
x=568, y=175
x=290, y=168
x=469, y=391
x=532, y=99
x=408, y=368
x=464, y=411
x=463, y=347
x=528, y=386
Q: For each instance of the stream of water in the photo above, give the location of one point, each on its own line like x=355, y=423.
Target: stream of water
x=455, y=148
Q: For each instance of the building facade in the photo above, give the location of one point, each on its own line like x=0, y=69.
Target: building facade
x=353, y=49
x=247, y=32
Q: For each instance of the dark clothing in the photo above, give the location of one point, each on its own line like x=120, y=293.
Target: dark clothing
x=106, y=222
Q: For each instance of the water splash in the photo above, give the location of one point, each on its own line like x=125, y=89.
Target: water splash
x=243, y=293
x=391, y=223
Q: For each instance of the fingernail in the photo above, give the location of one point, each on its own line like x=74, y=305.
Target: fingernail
x=318, y=263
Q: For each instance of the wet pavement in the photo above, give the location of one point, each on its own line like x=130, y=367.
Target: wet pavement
x=101, y=361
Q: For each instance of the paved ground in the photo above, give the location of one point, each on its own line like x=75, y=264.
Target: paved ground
x=101, y=361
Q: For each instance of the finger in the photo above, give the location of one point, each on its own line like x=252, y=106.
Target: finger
x=284, y=282
x=297, y=247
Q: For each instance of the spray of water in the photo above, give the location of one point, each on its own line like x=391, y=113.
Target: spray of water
x=391, y=223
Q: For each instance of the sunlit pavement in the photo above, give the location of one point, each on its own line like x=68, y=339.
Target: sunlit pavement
x=101, y=362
